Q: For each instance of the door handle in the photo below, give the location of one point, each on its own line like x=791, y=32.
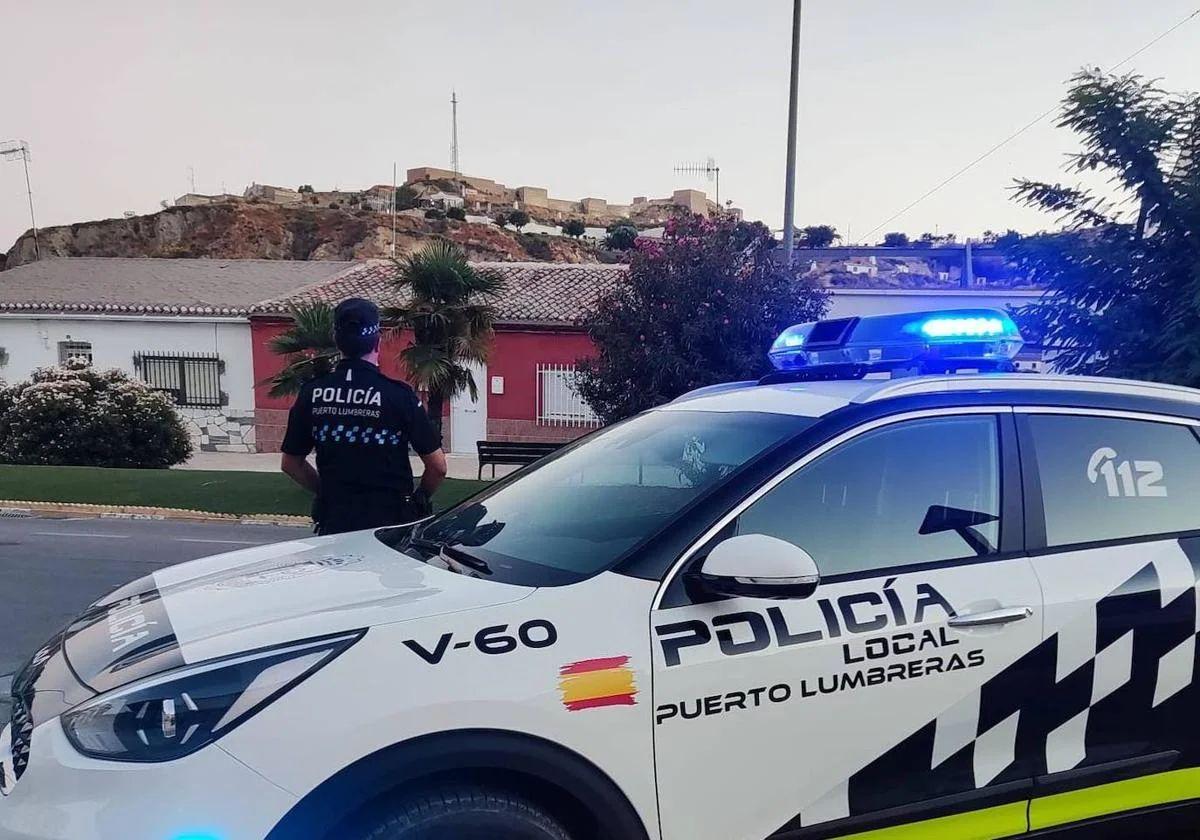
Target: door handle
x=983, y=619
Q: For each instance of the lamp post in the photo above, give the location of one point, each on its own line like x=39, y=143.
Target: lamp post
x=789, y=193
x=12, y=149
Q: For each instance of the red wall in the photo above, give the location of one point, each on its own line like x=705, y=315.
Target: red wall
x=515, y=356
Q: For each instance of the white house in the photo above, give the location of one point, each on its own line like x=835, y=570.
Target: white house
x=442, y=199
x=180, y=325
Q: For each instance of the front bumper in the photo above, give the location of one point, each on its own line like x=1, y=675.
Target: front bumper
x=207, y=796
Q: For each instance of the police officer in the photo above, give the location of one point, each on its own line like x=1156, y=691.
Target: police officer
x=361, y=424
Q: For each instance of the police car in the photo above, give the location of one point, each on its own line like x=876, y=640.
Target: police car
x=946, y=605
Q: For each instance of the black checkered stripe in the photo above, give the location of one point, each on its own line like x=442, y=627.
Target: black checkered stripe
x=22, y=734
x=1134, y=696
x=22, y=716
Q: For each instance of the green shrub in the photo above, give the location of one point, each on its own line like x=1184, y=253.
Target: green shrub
x=406, y=197
x=456, y=213
x=77, y=415
x=537, y=245
x=621, y=236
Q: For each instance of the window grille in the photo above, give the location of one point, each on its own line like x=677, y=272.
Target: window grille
x=558, y=399
x=192, y=380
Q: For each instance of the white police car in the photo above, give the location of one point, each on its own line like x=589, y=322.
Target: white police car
x=948, y=606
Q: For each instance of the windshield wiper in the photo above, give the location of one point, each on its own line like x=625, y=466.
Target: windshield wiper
x=468, y=560
x=456, y=555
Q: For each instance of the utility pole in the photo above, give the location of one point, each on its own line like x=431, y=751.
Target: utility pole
x=393, y=210
x=454, y=131
x=19, y=148
x=192, y=178
x=789, y=194
x=968, y=275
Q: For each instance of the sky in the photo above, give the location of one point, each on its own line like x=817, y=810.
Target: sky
x=122, y=102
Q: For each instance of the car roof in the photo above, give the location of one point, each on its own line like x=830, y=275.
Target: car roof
x=816, y=399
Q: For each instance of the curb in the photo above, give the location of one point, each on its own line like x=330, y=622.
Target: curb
x=24, y=509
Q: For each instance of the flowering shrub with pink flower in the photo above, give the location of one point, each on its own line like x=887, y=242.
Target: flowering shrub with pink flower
x=700, y=306
x=73, y=414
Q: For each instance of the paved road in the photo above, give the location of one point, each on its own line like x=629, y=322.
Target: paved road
x=50, y=569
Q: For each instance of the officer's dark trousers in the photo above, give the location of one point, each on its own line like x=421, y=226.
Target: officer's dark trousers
x=343, y=513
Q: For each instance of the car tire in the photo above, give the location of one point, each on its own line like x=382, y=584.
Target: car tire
x=468, y=812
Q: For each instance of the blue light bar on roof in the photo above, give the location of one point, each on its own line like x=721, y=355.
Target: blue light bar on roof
x=946, y=340
x=960, y=327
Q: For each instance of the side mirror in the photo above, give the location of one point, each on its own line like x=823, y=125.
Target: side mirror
x=965, y=523
x=758, y=566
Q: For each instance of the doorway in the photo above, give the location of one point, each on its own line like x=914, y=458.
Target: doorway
x=468, y=418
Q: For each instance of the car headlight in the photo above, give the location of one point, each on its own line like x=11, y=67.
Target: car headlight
x=176, y=713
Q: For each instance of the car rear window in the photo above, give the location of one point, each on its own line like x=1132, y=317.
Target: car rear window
x=1107, y=478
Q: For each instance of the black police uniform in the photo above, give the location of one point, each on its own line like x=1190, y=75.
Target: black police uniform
x=361, y=423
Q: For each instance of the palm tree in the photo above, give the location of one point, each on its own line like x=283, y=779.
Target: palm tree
x=450, y=314
x=308, y=347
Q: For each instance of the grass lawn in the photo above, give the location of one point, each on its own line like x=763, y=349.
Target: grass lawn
x=207, y=490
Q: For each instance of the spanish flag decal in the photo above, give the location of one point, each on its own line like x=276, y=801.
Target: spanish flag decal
x=591, y=683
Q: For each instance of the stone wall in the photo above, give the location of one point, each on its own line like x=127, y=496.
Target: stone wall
x=220, y=429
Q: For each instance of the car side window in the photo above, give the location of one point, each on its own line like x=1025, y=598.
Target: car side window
x=916, y=492
x=1106, y=478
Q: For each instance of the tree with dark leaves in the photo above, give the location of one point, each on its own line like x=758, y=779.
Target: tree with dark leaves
x=817, y=236
x=406, y=197
x=1123, y=276
x=700, y=306
x=621, y=236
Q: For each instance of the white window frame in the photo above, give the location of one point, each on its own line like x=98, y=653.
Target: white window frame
x=558, y=400
x=74, y=349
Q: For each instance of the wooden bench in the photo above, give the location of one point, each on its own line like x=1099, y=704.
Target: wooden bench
x=514, y=452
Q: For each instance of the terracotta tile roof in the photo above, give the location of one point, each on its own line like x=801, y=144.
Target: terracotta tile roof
x=148, y=286
x=536, y=292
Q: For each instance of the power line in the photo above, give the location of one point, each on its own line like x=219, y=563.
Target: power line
x=1021, y=131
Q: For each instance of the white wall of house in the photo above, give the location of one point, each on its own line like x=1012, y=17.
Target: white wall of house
x=845, y=303
x=32, y=341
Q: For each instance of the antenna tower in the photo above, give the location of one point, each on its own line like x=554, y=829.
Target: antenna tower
x=709, y=169
x=454, y=132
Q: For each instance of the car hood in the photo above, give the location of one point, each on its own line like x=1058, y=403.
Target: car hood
x=259, y=597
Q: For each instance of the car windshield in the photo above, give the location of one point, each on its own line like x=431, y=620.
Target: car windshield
x=582, y=510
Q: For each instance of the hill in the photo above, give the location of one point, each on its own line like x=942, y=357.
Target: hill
x=269, y=231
